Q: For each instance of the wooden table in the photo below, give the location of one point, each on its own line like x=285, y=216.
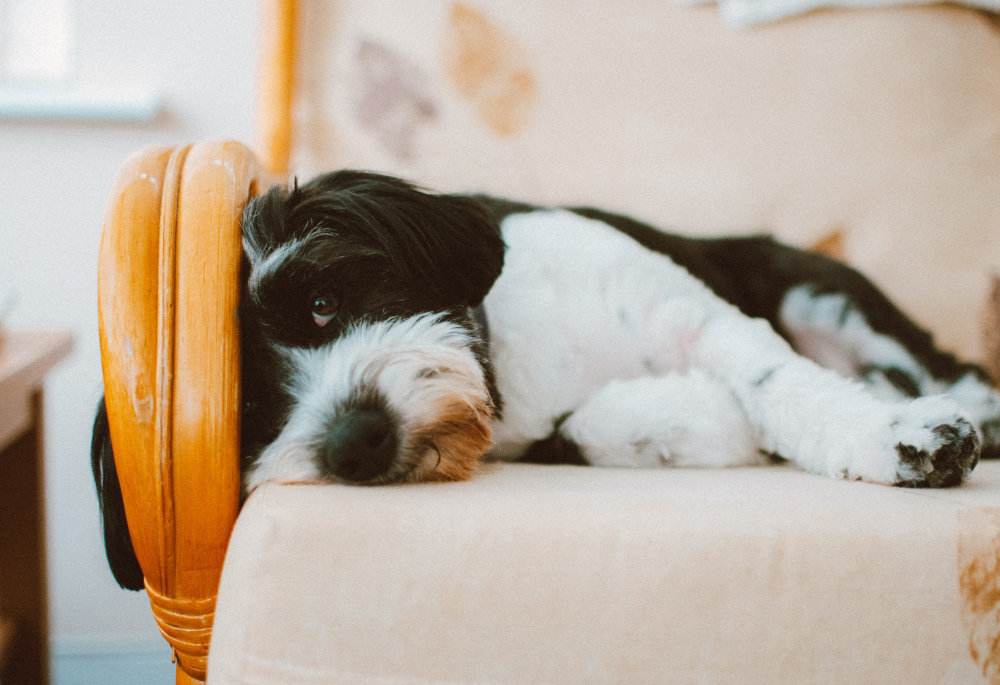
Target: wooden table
x=25, y=358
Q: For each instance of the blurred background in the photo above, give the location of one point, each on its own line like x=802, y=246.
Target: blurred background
x=85, y=84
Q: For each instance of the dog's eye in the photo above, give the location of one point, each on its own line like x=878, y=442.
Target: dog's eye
x=324, y=309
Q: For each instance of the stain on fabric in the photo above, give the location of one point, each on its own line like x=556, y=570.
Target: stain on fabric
x=394, y=100
x=489, y=68
x=979, y=584
x=831, y=245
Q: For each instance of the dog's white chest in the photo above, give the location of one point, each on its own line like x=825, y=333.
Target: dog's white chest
x=579, y=304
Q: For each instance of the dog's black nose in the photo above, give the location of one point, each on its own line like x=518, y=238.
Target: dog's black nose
x=360, y=445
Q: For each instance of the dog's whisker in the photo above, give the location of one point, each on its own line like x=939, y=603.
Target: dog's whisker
x=437, y=462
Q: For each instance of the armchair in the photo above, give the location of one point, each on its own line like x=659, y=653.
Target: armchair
x=566, y=574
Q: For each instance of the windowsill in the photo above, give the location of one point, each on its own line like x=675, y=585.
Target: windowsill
x=78, y=103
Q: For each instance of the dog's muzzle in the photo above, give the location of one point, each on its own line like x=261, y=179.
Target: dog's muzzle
x=392, y=401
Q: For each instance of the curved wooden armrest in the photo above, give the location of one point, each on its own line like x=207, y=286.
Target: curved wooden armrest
x=168, y=292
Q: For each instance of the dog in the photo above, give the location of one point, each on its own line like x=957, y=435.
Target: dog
x=391, y=334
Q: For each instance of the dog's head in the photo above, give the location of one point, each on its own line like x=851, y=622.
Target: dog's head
x=359, y=290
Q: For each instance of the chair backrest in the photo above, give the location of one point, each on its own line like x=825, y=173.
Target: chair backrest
x=168, y=293
x=882, y=124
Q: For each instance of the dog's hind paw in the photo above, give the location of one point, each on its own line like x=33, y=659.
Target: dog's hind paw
x=935, y=450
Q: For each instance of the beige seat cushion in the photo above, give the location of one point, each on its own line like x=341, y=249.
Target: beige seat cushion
x=882, y=123
x=532, y=574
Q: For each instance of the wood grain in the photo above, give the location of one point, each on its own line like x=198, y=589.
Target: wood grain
x=168, y=297
x=276, y=83
x=127, y=284
x=25, y=358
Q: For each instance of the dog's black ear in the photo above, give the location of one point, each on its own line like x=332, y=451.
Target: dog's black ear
x=449, y=246
x=459, y=245
x=117, y=542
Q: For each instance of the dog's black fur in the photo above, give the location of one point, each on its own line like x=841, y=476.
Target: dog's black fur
x=445, y=251
x=117, y=542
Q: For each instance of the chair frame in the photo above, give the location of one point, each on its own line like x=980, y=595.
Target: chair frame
x=168, y=293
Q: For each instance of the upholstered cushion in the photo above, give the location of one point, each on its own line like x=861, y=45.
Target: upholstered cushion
x=882, y=123
x=532, y=574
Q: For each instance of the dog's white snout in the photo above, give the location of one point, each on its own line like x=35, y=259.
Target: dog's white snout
x=368, y=407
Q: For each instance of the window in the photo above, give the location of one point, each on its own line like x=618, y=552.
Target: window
x=39, y=75
x=36, y=41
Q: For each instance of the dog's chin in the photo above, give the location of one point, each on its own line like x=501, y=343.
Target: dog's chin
x=432, y=466
x=453, y=456
x=420, y=469
x=396, y=401
x=425, y=468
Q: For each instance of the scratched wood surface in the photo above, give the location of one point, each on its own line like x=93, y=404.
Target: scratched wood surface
x=168, y=296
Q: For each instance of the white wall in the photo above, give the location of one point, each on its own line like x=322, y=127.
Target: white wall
x=53, y=182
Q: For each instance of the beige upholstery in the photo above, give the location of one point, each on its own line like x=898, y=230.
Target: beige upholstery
x=535, y=574
x=882, y=123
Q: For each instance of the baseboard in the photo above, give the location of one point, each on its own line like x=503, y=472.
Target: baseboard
x=110, y=660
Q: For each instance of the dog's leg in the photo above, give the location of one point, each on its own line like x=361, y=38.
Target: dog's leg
x=673, y=420
x=861, y=334
x=829, y=424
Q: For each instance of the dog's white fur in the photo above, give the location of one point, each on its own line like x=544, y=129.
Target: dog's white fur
x=419, y=365
x=607, y=310
x=651, y=367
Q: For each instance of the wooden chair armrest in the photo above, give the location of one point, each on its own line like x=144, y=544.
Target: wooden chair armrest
x=168, y=293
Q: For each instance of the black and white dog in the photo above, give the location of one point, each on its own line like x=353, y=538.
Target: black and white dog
x=391, y=335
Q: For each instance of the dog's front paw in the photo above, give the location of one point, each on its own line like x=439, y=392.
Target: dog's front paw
x=938, y=447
